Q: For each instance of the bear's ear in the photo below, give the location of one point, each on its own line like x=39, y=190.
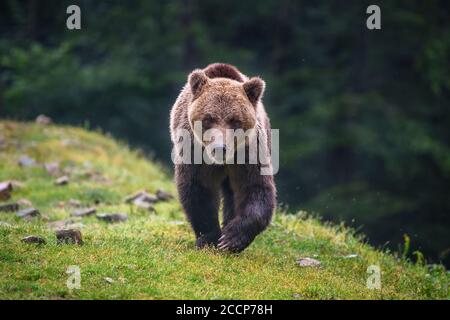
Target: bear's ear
x=254, y=88
x=197, y=79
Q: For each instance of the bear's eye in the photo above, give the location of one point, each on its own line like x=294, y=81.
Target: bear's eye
x=234, y=123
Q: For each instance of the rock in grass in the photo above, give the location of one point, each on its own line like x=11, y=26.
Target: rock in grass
x=5, y=190
x=143, y=196
x=140, y=203
x=24, y=203
x=83, y=212
x=52, y=168
x=62, y=181
x=74, y=203
x=9, y=207
x=69, y=236
x=43, y=120
x=142, y=199
x=96, y=176
x=34, y=239
x=28, y=213
x=26, y=161
x=16, y=184
x=115, y=217
x=308, y=262
x=163, y=196
x=70, y=203
x=147, y=197
x=109, y=280
x=134, y=196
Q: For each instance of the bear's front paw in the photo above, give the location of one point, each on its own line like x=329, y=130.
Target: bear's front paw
x=207, y=240
x=234, y=240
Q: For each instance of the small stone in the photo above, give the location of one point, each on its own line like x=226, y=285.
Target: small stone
x=147, y=197
x=83, y=212
x=109, y=280
x=5, y=190
x=26, y=161
x=69, y=236
x=351, y=256
x=16, y=184
x=163, y=196
x=74, y=203
x=134, y=196
x=61, y=181
x=9, y=207
x=308, y=262
x=297, y=296
x=131, y=198
x=96, y=177
x=143, y=204
x=6, y=185
x=70, y=203
x=24, y=203
x=115, y=217
x=43, y=120
x=52, y=168
x=28, y=213
x=34, y=239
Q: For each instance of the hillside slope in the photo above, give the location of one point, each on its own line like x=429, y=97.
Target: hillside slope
x=152, y=255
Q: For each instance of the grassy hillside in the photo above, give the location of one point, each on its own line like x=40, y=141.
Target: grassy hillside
x=152, y=255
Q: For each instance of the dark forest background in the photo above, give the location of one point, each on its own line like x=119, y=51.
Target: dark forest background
x=363, y=115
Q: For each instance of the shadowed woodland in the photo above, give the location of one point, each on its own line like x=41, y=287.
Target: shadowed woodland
x=363, y=115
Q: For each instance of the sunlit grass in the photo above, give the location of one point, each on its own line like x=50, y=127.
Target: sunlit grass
x=152, y=255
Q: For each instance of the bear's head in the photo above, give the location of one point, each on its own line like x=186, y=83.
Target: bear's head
x=222, y=105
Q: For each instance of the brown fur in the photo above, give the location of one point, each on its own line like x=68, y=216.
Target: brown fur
x=221, y=97
x=222, y=70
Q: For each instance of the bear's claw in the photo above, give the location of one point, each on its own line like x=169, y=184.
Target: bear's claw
x=233, y=241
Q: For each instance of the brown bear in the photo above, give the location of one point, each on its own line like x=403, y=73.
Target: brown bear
x=221, y=97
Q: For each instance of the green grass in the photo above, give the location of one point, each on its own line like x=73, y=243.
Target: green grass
x=152, y=255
